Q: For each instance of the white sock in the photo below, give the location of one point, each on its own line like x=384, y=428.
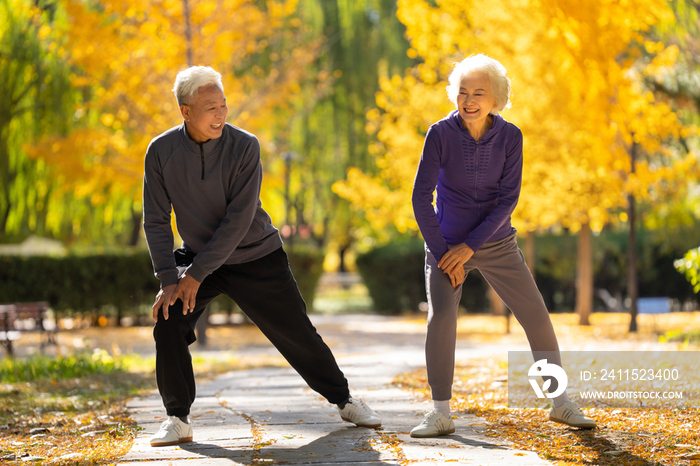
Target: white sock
x=561, y=399
x=442, y=407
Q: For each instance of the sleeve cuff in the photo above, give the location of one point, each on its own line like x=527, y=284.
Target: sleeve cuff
x=168, y=278
x=473, y=245
x=196, y=272
x=438, y=252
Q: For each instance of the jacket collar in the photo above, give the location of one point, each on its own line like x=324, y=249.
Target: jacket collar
x=210, y=146
x=455, y=122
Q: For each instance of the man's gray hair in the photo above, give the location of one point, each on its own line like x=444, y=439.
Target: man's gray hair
x=190, y=80
x=500, y=84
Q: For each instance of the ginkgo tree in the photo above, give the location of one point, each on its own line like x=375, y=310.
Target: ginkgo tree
x=577, y=96
x=676, y=81
x=126, y=53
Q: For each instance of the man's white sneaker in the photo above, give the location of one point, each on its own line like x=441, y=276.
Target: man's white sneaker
x=172, y=432
x=571, y=415
x=357, y=412
x=434, y=424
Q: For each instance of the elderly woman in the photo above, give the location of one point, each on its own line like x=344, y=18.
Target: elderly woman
x=473, y=158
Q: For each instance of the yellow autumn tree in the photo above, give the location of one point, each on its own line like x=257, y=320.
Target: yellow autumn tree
x=577, y=96
x=126, y=54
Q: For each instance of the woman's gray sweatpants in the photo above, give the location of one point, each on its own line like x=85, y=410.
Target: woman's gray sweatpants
x=503, y=266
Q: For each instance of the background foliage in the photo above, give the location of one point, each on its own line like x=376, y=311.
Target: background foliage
x=340, y=94
x=689, y=265
x=580, y=107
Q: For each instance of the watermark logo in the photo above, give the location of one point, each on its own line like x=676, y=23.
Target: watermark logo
x=542, y=368
x=610, y=379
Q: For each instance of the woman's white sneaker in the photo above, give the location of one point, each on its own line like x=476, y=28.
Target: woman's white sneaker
x=571, y=415
x=434, y=424
x=357, y=412
x=172, y=432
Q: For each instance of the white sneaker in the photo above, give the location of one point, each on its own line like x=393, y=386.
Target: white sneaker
x=172, y=432
x=357, y=412
x=434, y=424
x=571, y=415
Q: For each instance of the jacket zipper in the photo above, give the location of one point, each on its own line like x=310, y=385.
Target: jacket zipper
x=476, y=171
x=201, y=154
x=476, y=180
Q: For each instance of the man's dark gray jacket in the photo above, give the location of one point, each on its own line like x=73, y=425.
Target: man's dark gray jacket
x=214, y=189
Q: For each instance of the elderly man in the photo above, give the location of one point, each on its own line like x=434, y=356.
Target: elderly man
x=210, y=173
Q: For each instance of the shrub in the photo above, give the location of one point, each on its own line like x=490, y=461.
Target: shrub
x=685, y=337
x=307, y=266
x=395, y=278
x=689, y=265
x=80, y=284
x=112, y=285
x=556, y=256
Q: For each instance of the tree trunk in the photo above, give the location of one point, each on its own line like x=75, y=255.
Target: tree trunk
x=530, y=252
x=188, y=32
x=5, y=177
x=584, y=276
x=201, y=328
x=632, y=291
x=498, y=307
x=136, y=220
x=342, y=253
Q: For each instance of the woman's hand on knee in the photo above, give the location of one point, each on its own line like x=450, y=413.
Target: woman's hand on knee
x=456, y=276
x=455, y=258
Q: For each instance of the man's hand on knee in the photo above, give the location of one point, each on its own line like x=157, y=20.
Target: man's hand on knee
x=163, y=299
x=186, y=291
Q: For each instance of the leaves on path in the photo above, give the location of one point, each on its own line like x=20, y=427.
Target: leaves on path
x=638, y=436
x=632, y=436
x=72, y=422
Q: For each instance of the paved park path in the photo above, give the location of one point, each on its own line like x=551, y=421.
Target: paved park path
x=269, y=416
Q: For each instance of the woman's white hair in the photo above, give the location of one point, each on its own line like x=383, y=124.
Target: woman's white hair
x=500, y=84
x=189, y=81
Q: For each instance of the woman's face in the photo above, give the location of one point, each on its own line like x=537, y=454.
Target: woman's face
x=475, y=99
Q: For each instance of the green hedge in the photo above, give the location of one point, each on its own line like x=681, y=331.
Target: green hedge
x=114, y=285
x=80, y=284
x=556, y=256
x=307, y=266
x=393, y=275
x=395, y=278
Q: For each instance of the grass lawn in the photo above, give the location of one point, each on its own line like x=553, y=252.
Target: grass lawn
x=69, y=410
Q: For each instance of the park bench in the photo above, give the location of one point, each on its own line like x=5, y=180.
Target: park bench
x=654, y=306
x=18, y=318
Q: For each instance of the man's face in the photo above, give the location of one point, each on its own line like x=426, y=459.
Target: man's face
x=206, y=116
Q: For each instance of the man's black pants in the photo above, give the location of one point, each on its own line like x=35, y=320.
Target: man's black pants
x=266, y=291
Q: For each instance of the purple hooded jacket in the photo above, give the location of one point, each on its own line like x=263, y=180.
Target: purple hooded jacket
x=477, y=183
